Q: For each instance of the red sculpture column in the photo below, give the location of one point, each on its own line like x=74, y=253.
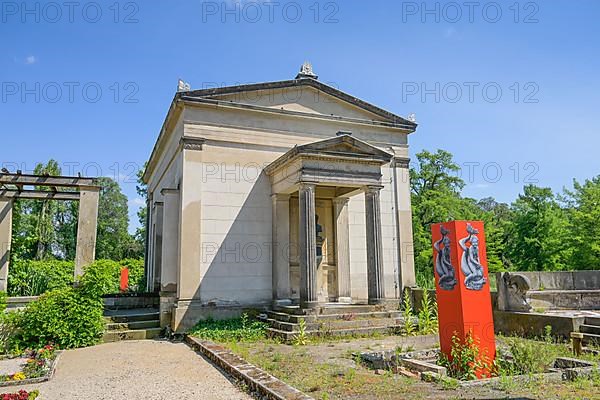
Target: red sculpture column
x=462, y=286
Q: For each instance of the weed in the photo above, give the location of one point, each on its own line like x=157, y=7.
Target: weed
x=427, y=315
x=465, y=361
x=301, y=339
x=407, y=314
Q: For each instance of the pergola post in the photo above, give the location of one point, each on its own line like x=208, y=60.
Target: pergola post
x=5, y=239
x=86, y=228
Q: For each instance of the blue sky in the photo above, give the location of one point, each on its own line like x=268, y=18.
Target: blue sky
x=445, y=61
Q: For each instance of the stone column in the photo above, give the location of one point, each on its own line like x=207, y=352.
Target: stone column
x=5, y=239
x=342, y=249
x=401, y=175
x=157, y=239
x=376, y=289
x=282, y=291
x=85, y=252
x=170, y=252
x=308, y=243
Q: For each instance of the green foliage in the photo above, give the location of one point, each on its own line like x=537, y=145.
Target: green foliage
x=47, y=229
x=32, y=278
x=407, y=314
x=137, y=278
x=67, y=317
x=583, y=213
x=538, y=232
x=427, y=315
x=301, y=339
x=142, y=191
x=465, y=360
x=100, y=278
x=114, y=241
x=70, y=317
x=231, y=330
x=435, y=197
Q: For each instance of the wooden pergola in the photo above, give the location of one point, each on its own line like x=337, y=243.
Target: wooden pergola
x=63, y=188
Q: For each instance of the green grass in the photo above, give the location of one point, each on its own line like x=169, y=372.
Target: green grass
x=232, y=330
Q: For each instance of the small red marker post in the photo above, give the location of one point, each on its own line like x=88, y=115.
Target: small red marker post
x=124, y=280
x=463, y=287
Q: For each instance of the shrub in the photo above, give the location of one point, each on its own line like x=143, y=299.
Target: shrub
x=100, y=278
x=231, y=330
x=68, y=317
x=137, y=278
x=32, y=278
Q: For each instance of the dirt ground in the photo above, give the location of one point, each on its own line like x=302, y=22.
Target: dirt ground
x=152, y=370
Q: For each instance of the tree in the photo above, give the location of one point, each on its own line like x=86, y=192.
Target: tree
x=142, y=191
x=113, y=241
x=497, y=219
x=538, y=232
x=435, y=197
x=42, y=228
x=583, y=211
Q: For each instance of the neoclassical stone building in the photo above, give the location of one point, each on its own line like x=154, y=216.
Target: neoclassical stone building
x=288, y=192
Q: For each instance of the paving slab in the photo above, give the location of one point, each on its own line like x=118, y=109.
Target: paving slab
x=148, y=369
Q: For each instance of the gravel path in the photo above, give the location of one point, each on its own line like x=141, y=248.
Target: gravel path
x=152, y=370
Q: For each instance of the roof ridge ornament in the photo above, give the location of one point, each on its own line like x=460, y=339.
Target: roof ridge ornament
x=183, y=86
x=306, y=71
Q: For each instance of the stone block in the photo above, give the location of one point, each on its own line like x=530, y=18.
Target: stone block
x=586, y=280
x=556, y=281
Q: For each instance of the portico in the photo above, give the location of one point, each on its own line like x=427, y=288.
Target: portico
x=335, y=169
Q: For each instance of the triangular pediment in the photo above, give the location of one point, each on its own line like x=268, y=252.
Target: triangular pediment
x=344, y=145
x=305, y=96
x=342, y=148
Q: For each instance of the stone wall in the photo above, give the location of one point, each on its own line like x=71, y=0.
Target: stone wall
x=570, y=290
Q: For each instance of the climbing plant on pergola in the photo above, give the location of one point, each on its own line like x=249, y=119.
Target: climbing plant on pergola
x=61, y=188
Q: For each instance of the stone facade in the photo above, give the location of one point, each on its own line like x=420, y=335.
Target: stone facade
x=236, y=181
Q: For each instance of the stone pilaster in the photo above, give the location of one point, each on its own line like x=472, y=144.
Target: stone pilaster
x=342, y=246
x=308, y=243
x=282, y=292
x=376, y=289
x=5, y=239
x=87, y=225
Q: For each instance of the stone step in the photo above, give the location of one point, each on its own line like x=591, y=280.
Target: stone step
x=330, y=309
x=327, y=326
x=131, y=315
x=333, y=325
x=592, y=321
x=590, y=338
x=125, y=302
x=289, y=336
x=124, y=326
x=293, y=318
x=138, y=334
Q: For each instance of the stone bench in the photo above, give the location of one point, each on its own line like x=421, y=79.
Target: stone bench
x=524, y=291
